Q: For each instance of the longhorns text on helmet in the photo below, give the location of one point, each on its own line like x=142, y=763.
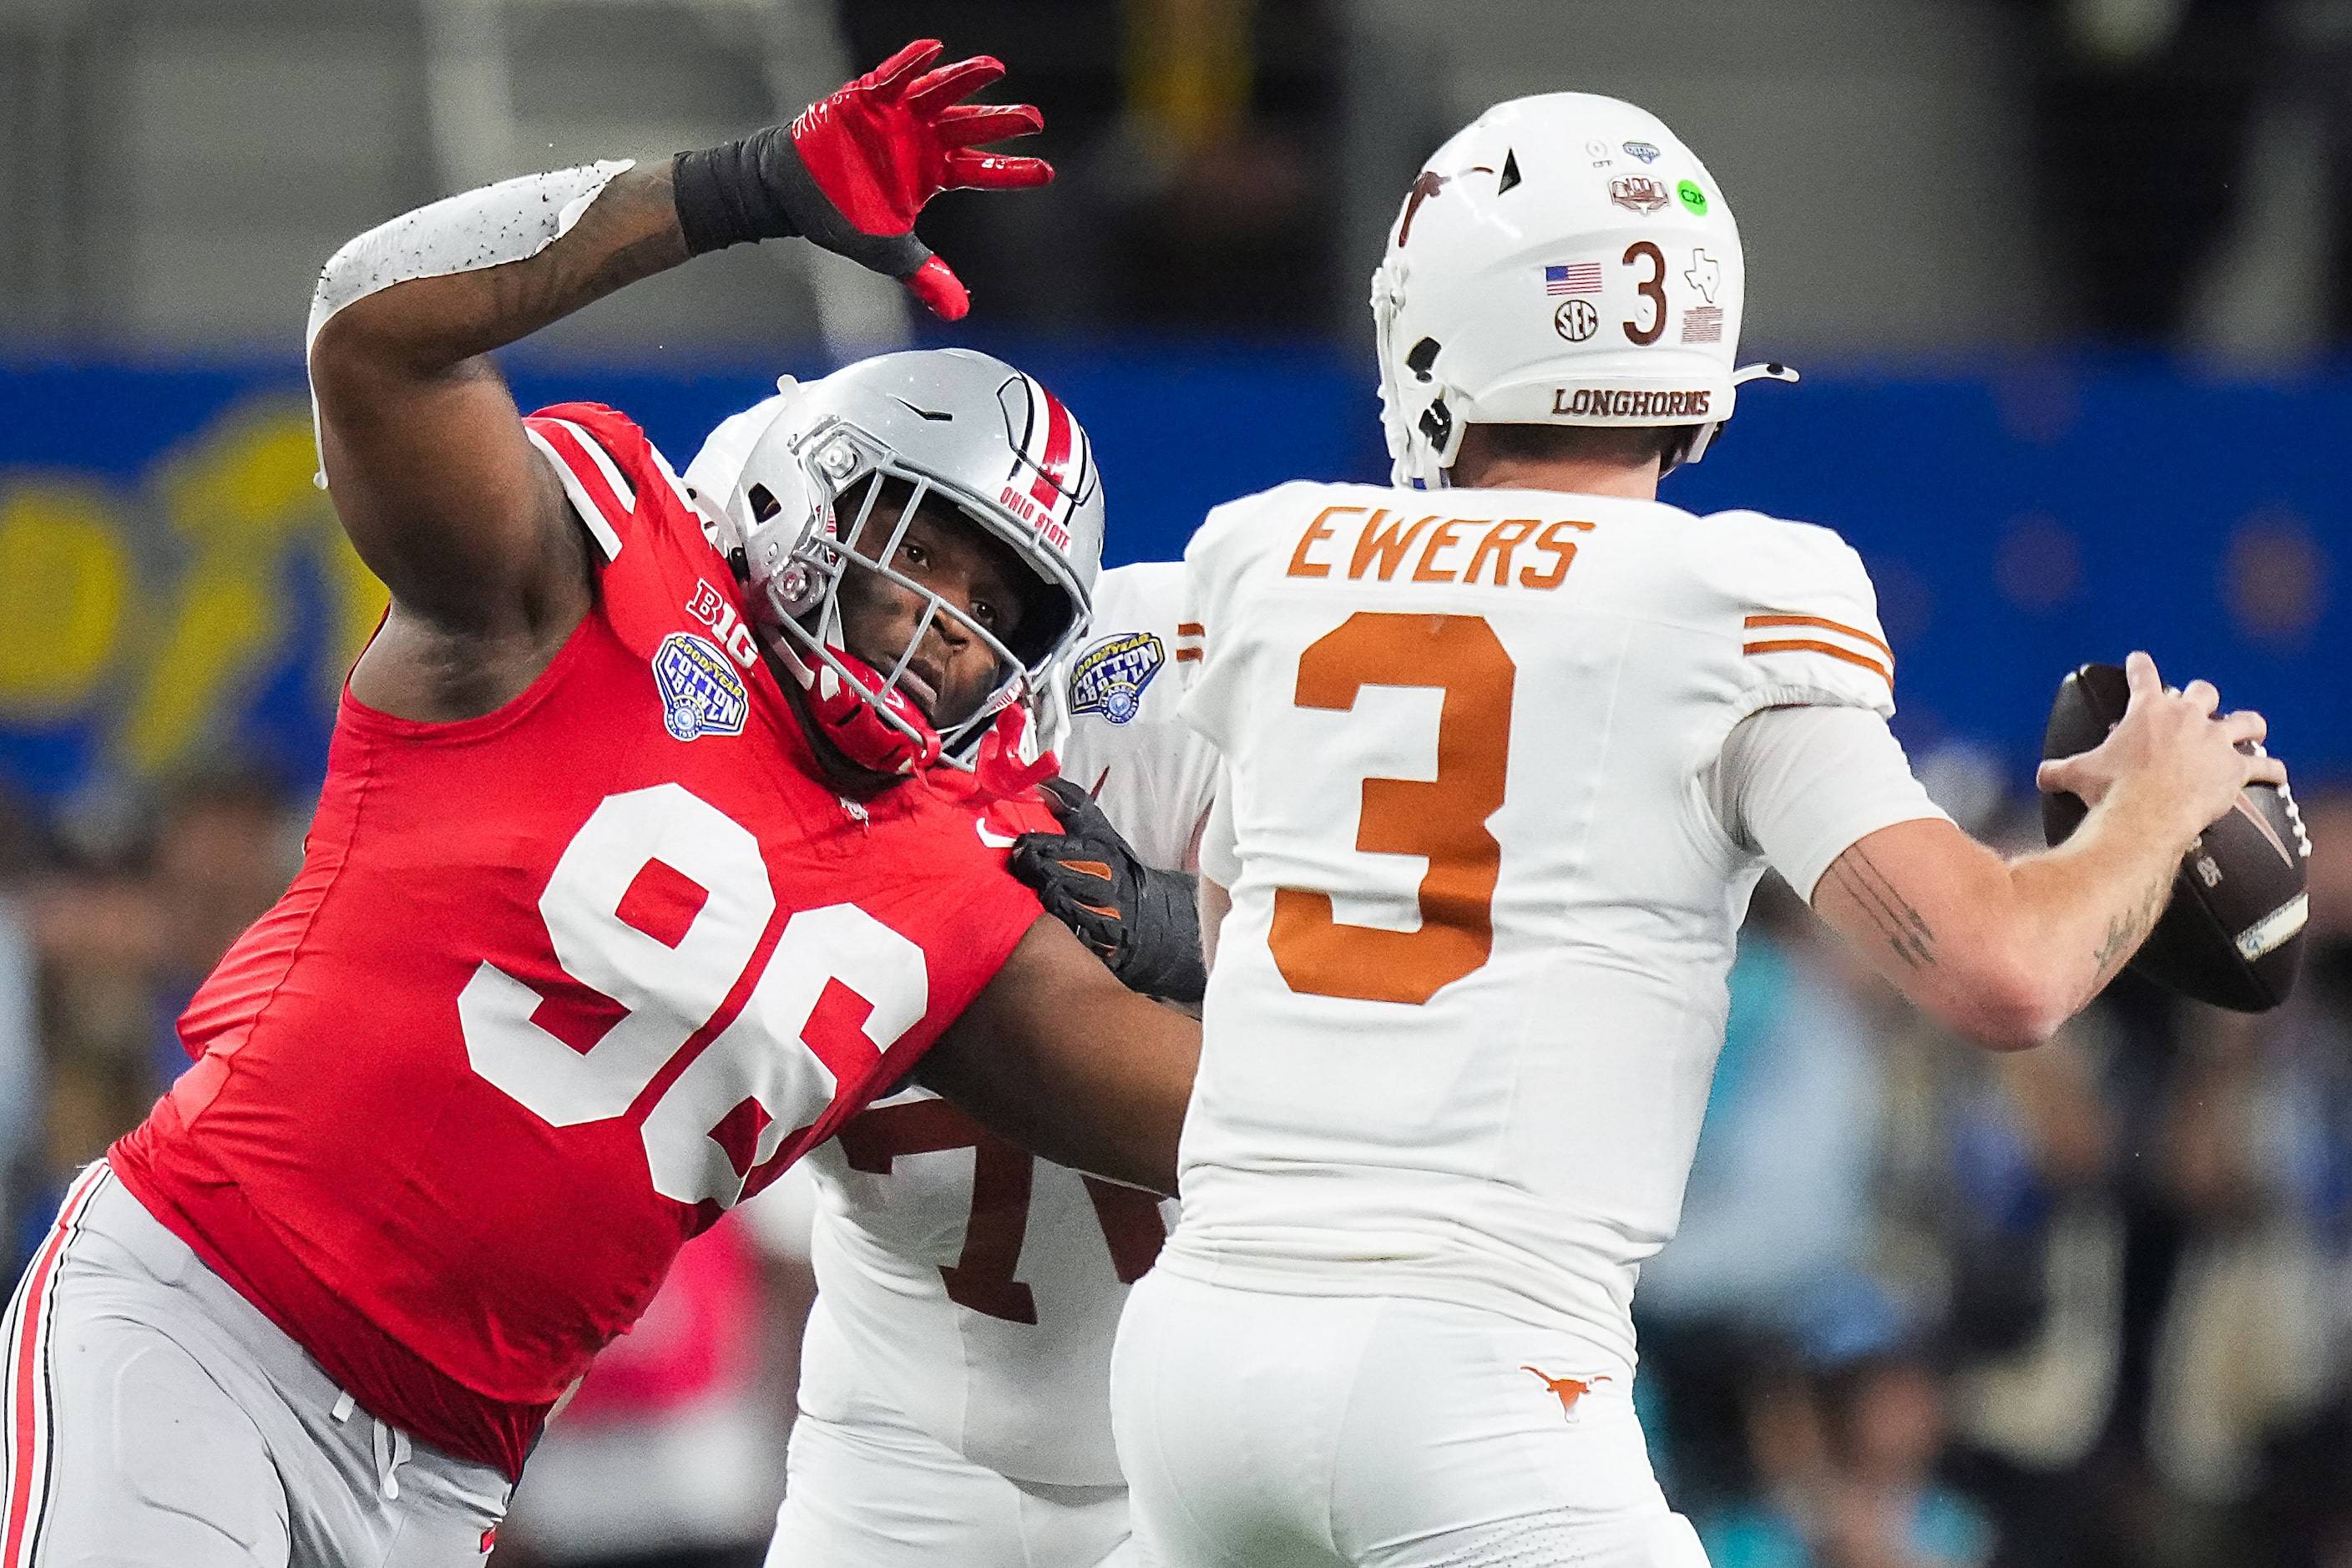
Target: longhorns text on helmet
x=1563, y=259
x=962, y=426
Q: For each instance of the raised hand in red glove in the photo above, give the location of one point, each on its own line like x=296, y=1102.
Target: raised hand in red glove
x=853, y=170
x=886, y=144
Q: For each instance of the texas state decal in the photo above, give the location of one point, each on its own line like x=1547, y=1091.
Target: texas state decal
x=1109, y=676
x=701, y=692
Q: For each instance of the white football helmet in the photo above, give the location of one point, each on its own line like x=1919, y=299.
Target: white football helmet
x=1563, y=259
x=947, y=422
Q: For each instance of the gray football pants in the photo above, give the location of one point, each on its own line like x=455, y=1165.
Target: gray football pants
x=156, y=1419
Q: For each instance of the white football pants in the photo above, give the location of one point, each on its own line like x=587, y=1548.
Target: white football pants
x=1265, y=1431
x=871, y=1489
x=156, y=1419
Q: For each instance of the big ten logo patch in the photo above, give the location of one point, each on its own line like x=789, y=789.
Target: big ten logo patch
x=715, y=610
x=701, y=692
x=203, y=599
x=1109, y=676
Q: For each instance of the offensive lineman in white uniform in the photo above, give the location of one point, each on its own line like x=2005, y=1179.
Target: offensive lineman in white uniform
x=954, y=1397
x=969, y=1423
x=1502, y=763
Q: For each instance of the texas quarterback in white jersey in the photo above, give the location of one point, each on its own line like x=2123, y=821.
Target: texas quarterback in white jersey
x=1502, y=765
x=954, y=1396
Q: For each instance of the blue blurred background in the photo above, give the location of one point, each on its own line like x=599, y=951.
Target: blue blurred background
x=2019, y=515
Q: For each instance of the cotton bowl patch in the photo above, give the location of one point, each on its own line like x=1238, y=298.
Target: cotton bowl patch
x=1109, y=676
x=701, y=692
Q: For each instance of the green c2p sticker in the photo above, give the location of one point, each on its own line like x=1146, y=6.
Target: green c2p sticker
x=1692, y=197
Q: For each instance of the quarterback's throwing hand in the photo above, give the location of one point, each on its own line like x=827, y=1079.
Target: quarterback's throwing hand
x=2178, y=745
x=1140, y=921
x=855, y=169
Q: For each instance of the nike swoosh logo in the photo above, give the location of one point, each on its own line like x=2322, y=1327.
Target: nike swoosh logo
x=993, y=840
x=924, y=412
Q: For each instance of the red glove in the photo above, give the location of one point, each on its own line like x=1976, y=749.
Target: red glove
x=889, y=142
x=852, y=172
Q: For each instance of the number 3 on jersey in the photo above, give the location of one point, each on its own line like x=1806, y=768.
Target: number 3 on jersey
x=1443, y=818
x=660, y=903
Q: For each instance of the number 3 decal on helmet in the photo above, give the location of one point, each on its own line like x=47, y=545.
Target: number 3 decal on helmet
x=1652, y=288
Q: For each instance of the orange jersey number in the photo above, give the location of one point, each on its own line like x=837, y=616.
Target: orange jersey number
x=1444, y=819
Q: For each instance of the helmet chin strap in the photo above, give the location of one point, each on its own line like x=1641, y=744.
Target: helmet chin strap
x=854, y=721
x=858, y=727
x=1707, y=434
x=1408, y=464
x=1424, y=433
x=1771, y=370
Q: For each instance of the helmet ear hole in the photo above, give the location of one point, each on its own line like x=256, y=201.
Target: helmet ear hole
x=764, y=504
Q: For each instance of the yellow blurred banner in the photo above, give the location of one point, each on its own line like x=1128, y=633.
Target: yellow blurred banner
x=152, y=610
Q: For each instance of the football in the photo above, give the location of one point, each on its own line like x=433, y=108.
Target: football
x=2232, y=934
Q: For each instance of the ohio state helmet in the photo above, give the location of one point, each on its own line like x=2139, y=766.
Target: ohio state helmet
x=990, y=440
x=1564, y=259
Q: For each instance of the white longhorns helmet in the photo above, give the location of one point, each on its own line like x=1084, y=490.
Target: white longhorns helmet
x=1563, y=259
x=947, y=422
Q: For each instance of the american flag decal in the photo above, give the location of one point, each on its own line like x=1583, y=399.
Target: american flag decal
x=1575, y=277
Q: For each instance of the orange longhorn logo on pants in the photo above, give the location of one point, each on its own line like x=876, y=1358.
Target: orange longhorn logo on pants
x=1569, y=1389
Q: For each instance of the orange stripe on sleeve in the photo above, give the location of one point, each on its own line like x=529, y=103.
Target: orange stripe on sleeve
x=1826, y=624
x=1808, y=645
x=1187, y=655
x=1188, y=628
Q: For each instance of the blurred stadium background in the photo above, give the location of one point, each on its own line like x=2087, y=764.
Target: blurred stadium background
x=2070, y=282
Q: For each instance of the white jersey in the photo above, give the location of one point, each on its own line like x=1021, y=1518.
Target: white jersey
x=975, y=1288
x=1126, y=743
x=1467, y=1003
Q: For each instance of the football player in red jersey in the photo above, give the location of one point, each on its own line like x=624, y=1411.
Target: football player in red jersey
x=628, y=883
x=954, y=1393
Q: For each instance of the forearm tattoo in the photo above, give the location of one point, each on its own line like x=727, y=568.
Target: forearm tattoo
x=646, y=237
x=2127, y=929
x=1906, y=929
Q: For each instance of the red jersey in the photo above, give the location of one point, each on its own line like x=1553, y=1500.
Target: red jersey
x=555, y=987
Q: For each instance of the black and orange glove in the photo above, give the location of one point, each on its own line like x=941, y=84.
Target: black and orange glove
x=1144, y=923
x=853, y=170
